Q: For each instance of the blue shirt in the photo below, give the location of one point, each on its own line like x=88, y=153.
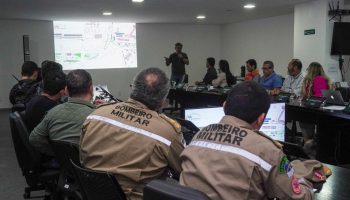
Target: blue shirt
x=271, y=82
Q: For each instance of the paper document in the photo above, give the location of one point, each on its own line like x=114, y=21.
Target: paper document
x=334, y=107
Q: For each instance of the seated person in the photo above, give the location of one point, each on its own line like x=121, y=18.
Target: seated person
x=315, y=81
x=294, y=80
x=25, y=89
x=225, y=77
x=48, y=66
x=253, y=72
x=211, y=73
x=132, y=139
x=232, y=160
x=53, y=89
x=64, y=122
x=270, y=80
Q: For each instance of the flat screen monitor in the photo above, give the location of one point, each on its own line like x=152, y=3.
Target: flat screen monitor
x=273, y=126
x=274, y=123
x=202, y=117
x=341, y=39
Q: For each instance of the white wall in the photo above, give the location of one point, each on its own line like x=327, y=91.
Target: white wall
x=317, y=47
x=154, y=41
x=263, y=39
x=11, y=50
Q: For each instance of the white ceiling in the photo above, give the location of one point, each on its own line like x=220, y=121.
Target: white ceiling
x=150, y=11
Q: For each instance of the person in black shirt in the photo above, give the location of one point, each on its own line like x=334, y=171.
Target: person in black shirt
x=24, y=89
x=54, y=84
x=211, y=72
x=177, y=61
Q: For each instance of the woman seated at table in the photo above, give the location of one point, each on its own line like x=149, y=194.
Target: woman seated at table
x=314, y=82
x=225, y=77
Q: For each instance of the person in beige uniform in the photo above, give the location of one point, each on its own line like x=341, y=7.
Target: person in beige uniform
x=232, y=160
x=132, y=139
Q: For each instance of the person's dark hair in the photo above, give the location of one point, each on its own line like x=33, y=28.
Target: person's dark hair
x=78, y=82
x=225, y=67
x=40, y=77
x=150, y=87
x=268, y=62
x=252, y=63
x=54, y=82
x=246, y=101
x=178, y=44
x=297, y=63
x=211, y=61
x=47, y=66
x=28, y=68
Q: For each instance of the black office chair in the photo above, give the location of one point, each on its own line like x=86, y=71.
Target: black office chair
x=163, y=190
x=97, y=185
x=68, y=182
x=37, y=176
x=18, y=107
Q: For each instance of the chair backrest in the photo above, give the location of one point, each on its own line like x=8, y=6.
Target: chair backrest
x=64, y=152
x=161, y=190
x=97, y=185
x=28, y=158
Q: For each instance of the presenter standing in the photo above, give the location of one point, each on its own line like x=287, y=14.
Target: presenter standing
x=178, y=59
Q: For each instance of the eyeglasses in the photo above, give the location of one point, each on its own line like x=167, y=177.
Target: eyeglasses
x=265, y=68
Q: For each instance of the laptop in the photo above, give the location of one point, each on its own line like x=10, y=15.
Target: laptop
x=273, y=126
x=202, y=117
x=274, y=123
x=333, y=97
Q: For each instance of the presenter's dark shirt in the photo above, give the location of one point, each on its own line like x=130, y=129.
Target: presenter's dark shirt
x=177, y=64
x=210, y=75
x=36, y=109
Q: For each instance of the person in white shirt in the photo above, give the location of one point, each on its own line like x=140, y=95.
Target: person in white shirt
x=294, y=80
x=225, y=77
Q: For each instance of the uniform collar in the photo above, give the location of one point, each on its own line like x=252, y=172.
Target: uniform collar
x=139, y=104
x=297, y=76
x=269, y=77
x=80, y=101
x=227, y=119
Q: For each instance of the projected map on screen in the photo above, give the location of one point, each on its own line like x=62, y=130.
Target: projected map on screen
x=95, y=45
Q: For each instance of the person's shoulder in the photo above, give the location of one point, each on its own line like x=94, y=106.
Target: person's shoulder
x=173, y=124
x=268, y=141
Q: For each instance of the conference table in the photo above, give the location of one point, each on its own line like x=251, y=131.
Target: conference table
x=333, y=126
x=337, y=186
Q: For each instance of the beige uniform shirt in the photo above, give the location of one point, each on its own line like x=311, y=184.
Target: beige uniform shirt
x=231, y=161
x=132, y=142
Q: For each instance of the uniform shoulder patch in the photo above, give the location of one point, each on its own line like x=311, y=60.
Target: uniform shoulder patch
x=172, y=122
x=277, y=144
x=296, y=188
x=285, y=167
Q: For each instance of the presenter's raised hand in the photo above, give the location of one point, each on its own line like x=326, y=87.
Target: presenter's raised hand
x=167, y=61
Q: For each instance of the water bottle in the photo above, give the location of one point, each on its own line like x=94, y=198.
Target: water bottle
x=242, y=71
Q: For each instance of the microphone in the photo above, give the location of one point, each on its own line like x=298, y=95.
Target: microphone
x=15, y=77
